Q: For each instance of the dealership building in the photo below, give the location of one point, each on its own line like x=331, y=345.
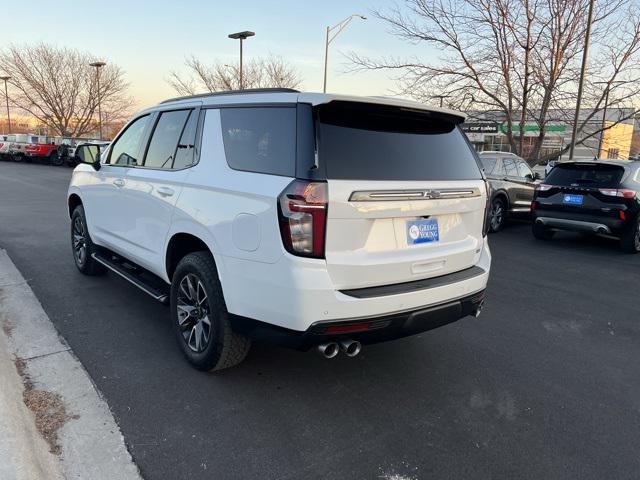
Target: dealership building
x=486, y=131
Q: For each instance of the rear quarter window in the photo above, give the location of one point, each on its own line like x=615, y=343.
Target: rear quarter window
x=260, y=139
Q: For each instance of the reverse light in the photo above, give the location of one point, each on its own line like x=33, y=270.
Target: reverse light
x=302, y=214
x=618, y=192
x=543, y=187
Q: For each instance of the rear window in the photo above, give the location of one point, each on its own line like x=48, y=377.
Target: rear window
x=261, y=139
x=358, y=141
x=587, y=175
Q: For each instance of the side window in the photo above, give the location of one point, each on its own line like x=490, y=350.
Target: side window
x=499, y=168
x=164, y=141
x=186, y=147
x=510, y=167
x=260, y=139
x=524, y=170
x=125, y=149
x=488, y=163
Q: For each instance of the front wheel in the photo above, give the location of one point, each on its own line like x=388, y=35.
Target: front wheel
x=82, y=245
x=630, y=240
x=498, y=215
x=200, y=318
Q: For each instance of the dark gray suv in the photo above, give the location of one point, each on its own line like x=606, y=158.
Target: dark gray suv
x=512, y=184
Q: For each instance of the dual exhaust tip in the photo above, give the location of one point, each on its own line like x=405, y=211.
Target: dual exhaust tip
x=351, y=348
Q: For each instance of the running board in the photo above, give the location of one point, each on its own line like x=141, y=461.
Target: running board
x=150, y=284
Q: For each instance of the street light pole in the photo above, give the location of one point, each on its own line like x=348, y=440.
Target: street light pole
x=98, y=66
x=329, y=38
x=241, y=36
x=6, y=97
x=585, y=56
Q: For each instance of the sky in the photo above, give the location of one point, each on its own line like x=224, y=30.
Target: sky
x=149, y=39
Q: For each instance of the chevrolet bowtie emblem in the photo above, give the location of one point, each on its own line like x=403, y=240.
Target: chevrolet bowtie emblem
x=432, y=194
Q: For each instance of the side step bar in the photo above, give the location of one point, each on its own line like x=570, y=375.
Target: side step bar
x=147, y=282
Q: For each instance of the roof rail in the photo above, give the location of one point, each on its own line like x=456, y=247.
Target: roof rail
x=233, y=92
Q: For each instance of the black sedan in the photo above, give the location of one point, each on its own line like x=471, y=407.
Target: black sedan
x=599, y=197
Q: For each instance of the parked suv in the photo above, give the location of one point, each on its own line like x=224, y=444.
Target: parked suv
x=593, y=197
x=512, y=185
x=309, y=220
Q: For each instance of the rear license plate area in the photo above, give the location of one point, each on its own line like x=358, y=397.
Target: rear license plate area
x=572, y=199
x=422, y=231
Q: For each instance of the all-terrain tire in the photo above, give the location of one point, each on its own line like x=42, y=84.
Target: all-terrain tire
x=196, y=289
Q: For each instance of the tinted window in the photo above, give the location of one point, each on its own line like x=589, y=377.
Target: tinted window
x=488, y=163
x=164, y=141
x=375, y=142
x=510, y=167
x=260, y=139
x=587, y=175
x=524, y=170
x=126, y=147
x=186, y=147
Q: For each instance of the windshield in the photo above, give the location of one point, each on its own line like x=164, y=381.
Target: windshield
x=588, y=175
x=358, y=141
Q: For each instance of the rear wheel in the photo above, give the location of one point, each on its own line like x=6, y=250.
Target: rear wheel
x=200, y=318
x=55, y=159
x=630, y=240
x=541, y=232
x=498, y=215
x=82, y=245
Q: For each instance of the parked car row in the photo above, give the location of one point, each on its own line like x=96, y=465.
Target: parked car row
x=592, y=197
x=53, y=150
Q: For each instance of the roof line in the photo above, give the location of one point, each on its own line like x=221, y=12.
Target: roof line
x=232, y=92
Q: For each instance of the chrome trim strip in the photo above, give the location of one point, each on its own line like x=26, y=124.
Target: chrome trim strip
x=427, y=194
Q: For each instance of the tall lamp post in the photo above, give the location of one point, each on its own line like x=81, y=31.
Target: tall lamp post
x=241, y=36
x=98, y=66
x=583, y=71
x=608, y=88
x=330, y=37
x=6, y=97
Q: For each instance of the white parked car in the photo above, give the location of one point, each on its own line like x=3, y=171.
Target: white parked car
x=305, y=219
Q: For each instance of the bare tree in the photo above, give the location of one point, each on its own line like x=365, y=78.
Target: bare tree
x=519, y=59
x=59, y=88
x=261, y=73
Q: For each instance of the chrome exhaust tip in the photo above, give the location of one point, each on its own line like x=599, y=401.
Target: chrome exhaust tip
x=351, y=348
x=329, y=350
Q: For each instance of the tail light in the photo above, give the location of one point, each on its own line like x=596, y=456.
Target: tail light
x=543, y=187
x=487, y=210
x=302, y=214
x=534, y=205
x=622, y=215
x=618, y=192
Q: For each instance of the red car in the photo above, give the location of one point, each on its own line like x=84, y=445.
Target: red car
x=44, y=151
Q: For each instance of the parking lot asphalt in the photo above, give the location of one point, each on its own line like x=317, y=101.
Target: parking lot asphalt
x=544, y=384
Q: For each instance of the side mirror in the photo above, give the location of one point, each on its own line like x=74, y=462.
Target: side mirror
x=89, y=154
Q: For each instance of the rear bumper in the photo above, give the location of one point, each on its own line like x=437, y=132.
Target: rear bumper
x=297, y=293
x=371, y=330
x=582, y=223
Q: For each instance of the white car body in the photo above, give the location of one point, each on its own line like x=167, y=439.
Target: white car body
x=135, y=212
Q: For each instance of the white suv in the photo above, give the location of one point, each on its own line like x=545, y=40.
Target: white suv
x=305, y=219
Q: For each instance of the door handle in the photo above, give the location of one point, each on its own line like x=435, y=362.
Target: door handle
x=118, y=182
x=165, y=191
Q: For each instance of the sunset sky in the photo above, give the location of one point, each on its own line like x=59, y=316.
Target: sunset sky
x=148, y=39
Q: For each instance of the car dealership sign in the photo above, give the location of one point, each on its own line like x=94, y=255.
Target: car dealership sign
x=480, y=127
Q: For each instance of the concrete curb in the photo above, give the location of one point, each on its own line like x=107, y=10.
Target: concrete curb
x=88, y=439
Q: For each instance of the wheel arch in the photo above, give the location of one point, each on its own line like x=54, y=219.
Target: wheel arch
x=181, y=244
x=72, y=202
x=502, y=195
